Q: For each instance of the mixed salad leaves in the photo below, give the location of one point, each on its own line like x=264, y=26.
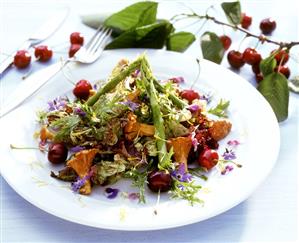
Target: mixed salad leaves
x=134, y=126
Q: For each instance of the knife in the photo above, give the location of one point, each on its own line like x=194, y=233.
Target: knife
x=48, y=28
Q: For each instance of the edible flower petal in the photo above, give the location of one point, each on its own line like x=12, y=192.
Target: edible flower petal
x=111, y=193
x=76, y=149
x=193, y=108
x=227, y=169
x=132, y=105
x=181, y=174
x=229, y=154
x=57, y=104
x=79, y=111
x=178, y=80
x=233, y=142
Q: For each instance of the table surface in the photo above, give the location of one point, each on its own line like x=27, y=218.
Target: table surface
x=269, y=214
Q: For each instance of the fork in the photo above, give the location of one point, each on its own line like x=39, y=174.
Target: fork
x=87, y=54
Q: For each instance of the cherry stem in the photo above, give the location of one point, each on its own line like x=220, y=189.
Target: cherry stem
x=22, y=147
x=157, y=203
x=262, y=38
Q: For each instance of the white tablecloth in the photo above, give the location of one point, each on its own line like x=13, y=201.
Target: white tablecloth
x=270, y=214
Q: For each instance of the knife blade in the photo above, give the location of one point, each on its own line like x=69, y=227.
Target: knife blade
x=45, y=30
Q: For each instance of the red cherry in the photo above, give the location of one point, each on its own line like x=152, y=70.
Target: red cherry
x=281, y=56
x=76, y=38
x=57, y=153
x=283, y=70
x=245, y=21
x=235, y=59
x=73, y=49
x=226, y=41
x=259, y=77
x=190, y=95
x=251, y=56
x=256, y=68
x=43, y=53
x=22, y=59
x=208, y=158
x=267, y=26
x=82, y=89
x=159, y=181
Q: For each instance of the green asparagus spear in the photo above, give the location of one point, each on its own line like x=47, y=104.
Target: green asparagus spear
x=115, y=81
x=176, y=100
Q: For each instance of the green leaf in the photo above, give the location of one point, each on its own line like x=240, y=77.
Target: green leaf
x=232, y=11
x=221, y=109
x=267, y=65
x=294, y=84
x=274, y=87
x=149, y=36
x=135, y=15
x=180, y=41
x=212, y=48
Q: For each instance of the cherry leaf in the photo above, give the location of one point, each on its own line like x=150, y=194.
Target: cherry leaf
x=232, y=11
x=274, y=87
x=212, y=48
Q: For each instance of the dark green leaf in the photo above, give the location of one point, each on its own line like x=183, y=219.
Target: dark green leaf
x=267, y=65
x=274, y=87
x=135, y=15
x=149, y=36
x=294, y=84
x=212, y=48
x=180, y=41
x=232, y=11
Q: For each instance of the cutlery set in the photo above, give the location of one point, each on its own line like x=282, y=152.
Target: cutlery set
x=87, y=54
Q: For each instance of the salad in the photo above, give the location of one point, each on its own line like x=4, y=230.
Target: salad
x=134, y=126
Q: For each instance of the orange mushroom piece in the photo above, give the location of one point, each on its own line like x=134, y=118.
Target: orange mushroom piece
x=81, y=163
x=220, y=129
x=133, y=96
x=45, y=134
x=181, y=148
x=133, y=128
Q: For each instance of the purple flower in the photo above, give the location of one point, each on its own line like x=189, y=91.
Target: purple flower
x=178, y=80
x=132, y=105
x=79, y=111
x=206, y=97
x=193, y=108
x=136, y=73
x=95, y=87
x=180, y=174
x=233, y=142
x=111, y=193
x=229, y=154
x=133, y=196
x=76, y=149
x=81, y=181
x=57, y=104
x=227, y=169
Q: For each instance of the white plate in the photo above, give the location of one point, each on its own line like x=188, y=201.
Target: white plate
x=254, y=124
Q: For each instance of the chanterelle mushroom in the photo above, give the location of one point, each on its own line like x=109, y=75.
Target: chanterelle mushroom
x=181, y=148
x=133, y=128
x=81, y=163
x=45, y=134
x=220, y=129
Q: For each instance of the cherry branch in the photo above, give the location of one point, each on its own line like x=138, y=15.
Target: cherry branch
x=262, y=38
